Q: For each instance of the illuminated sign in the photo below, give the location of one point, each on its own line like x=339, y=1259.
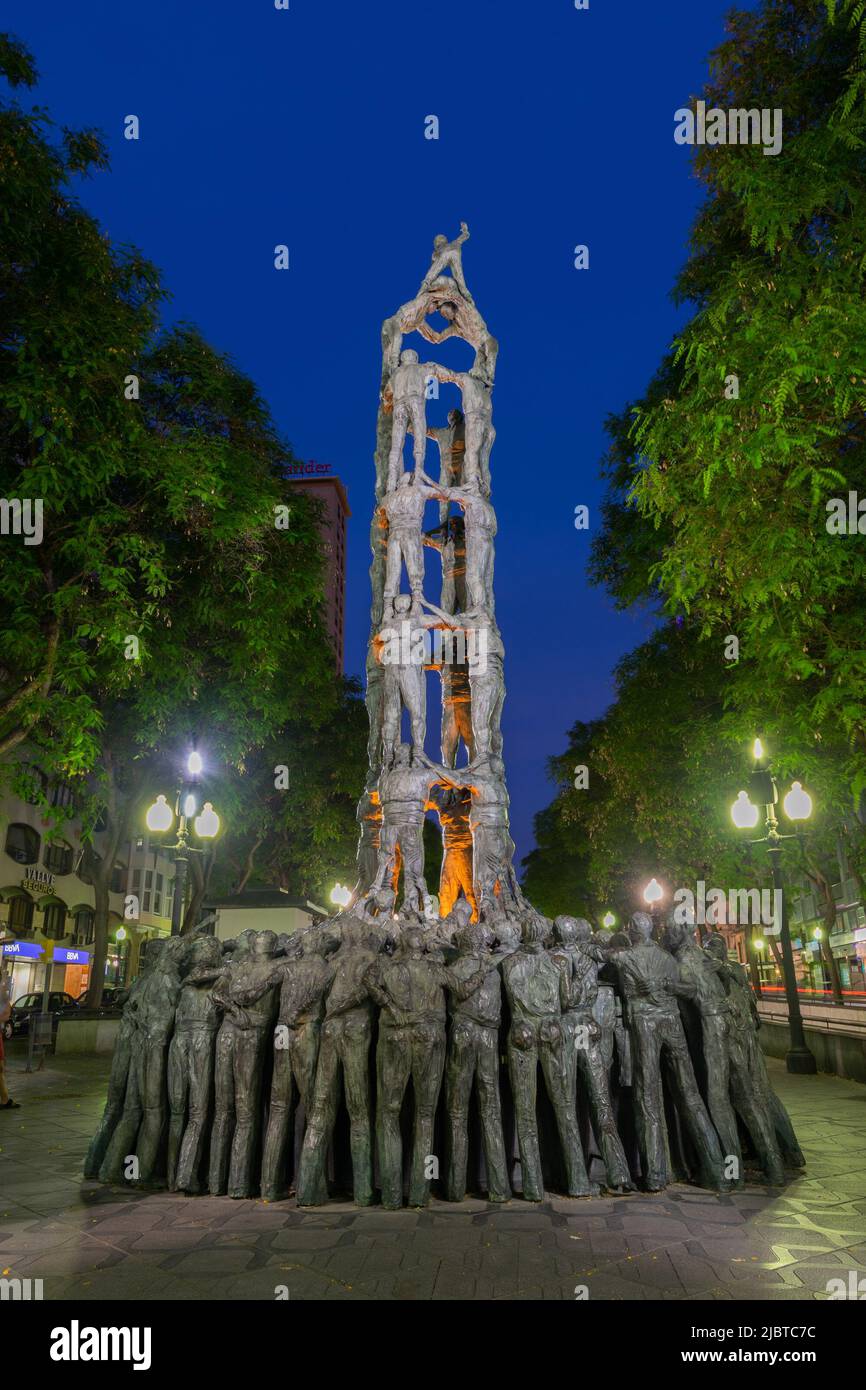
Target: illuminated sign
x=23, y=950
x=68, y=955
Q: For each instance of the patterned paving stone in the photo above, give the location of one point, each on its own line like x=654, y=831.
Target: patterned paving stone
x=90, y=1242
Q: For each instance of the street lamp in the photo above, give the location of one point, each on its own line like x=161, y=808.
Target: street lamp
x=608, y=921
x=797, y=805
x=653, y=894
x=205, y=825
x=340, y=895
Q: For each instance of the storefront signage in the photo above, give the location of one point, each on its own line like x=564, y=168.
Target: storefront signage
x=68, y=955
x=23, y=950
x=39, y=881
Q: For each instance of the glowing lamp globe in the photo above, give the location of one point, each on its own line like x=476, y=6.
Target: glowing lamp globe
x=208, y=823
x=759, y=943
x=758, y=750
x=797, y=804
x=743, y=813
x=190, y=806
x=340, y=895
x=194, y=764
x=608, y=920
x=653, y=892
x=160, y=815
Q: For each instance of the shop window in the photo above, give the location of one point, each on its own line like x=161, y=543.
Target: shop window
x=57, y=857
x=54, y=922
x=21, y=916
x=22, y=844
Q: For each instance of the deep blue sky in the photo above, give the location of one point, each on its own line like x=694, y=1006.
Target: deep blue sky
x=306, y=127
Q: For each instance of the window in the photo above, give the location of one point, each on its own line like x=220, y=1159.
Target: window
x=32, y=782
x=145, y=901
x=148, y=878
x=157, y=902
x=136, y=880
x=84, y=930
x=60, y=794
x=22, y=844
x=118, y=878
x=54, y=921
x=21, y=916
x=57, y=857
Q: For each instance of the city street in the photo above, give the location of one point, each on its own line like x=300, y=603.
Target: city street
x=85, y=1241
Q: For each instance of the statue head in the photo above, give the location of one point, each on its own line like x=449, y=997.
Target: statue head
x=206, y=950
x=619, y=941
x=641, y=926
x=676, y=935
x=264, y=944
x=384, y=898
x=603, y=936
x=408, y=357
x=439, y=241
x=470, y=939
x=716, y=946
x=461, y=912
x=565, y=930
x=402, y=603
x=448, y=310
x=150, y=952
x=412, y=940
x=533, y=929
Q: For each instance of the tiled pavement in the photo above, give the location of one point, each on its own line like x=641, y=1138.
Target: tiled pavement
x=89, y=1242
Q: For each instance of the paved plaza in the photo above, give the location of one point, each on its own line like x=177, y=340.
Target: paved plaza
x=89, y=1242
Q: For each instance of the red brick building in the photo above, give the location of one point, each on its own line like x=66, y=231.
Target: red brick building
x=331, y=493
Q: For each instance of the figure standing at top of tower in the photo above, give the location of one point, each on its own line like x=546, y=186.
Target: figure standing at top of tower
x=448, y=253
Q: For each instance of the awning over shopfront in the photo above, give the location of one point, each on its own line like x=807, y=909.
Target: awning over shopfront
x=50, y=901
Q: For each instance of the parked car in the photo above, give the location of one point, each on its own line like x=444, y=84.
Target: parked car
x=109, y=997
x=60, y=1005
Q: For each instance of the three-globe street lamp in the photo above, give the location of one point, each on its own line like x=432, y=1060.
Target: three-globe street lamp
x=206, y=824
x=797, y=806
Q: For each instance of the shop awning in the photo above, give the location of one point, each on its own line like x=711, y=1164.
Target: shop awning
x=50, y=901
x=81, y=907
x=14, y=891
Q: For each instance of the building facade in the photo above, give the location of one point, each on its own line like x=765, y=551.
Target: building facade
x=47, y=905
x=331, y=493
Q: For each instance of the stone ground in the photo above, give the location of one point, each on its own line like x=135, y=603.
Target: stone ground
x=89, y=1242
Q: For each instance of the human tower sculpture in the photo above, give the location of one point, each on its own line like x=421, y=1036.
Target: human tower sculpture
x=232, y=1056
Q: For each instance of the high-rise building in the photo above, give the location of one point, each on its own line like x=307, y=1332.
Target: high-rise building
x=331, y=493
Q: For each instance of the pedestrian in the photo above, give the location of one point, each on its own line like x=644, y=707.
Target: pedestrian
x=6, y=1101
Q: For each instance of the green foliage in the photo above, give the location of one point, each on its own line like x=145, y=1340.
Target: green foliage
x=731, y=494
x=163, y=602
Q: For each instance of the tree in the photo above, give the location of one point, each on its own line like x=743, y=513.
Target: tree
x=177, y=587
x=733, y=486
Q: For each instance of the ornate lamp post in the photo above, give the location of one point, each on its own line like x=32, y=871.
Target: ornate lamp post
x=205, y=825
x=797, y=806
